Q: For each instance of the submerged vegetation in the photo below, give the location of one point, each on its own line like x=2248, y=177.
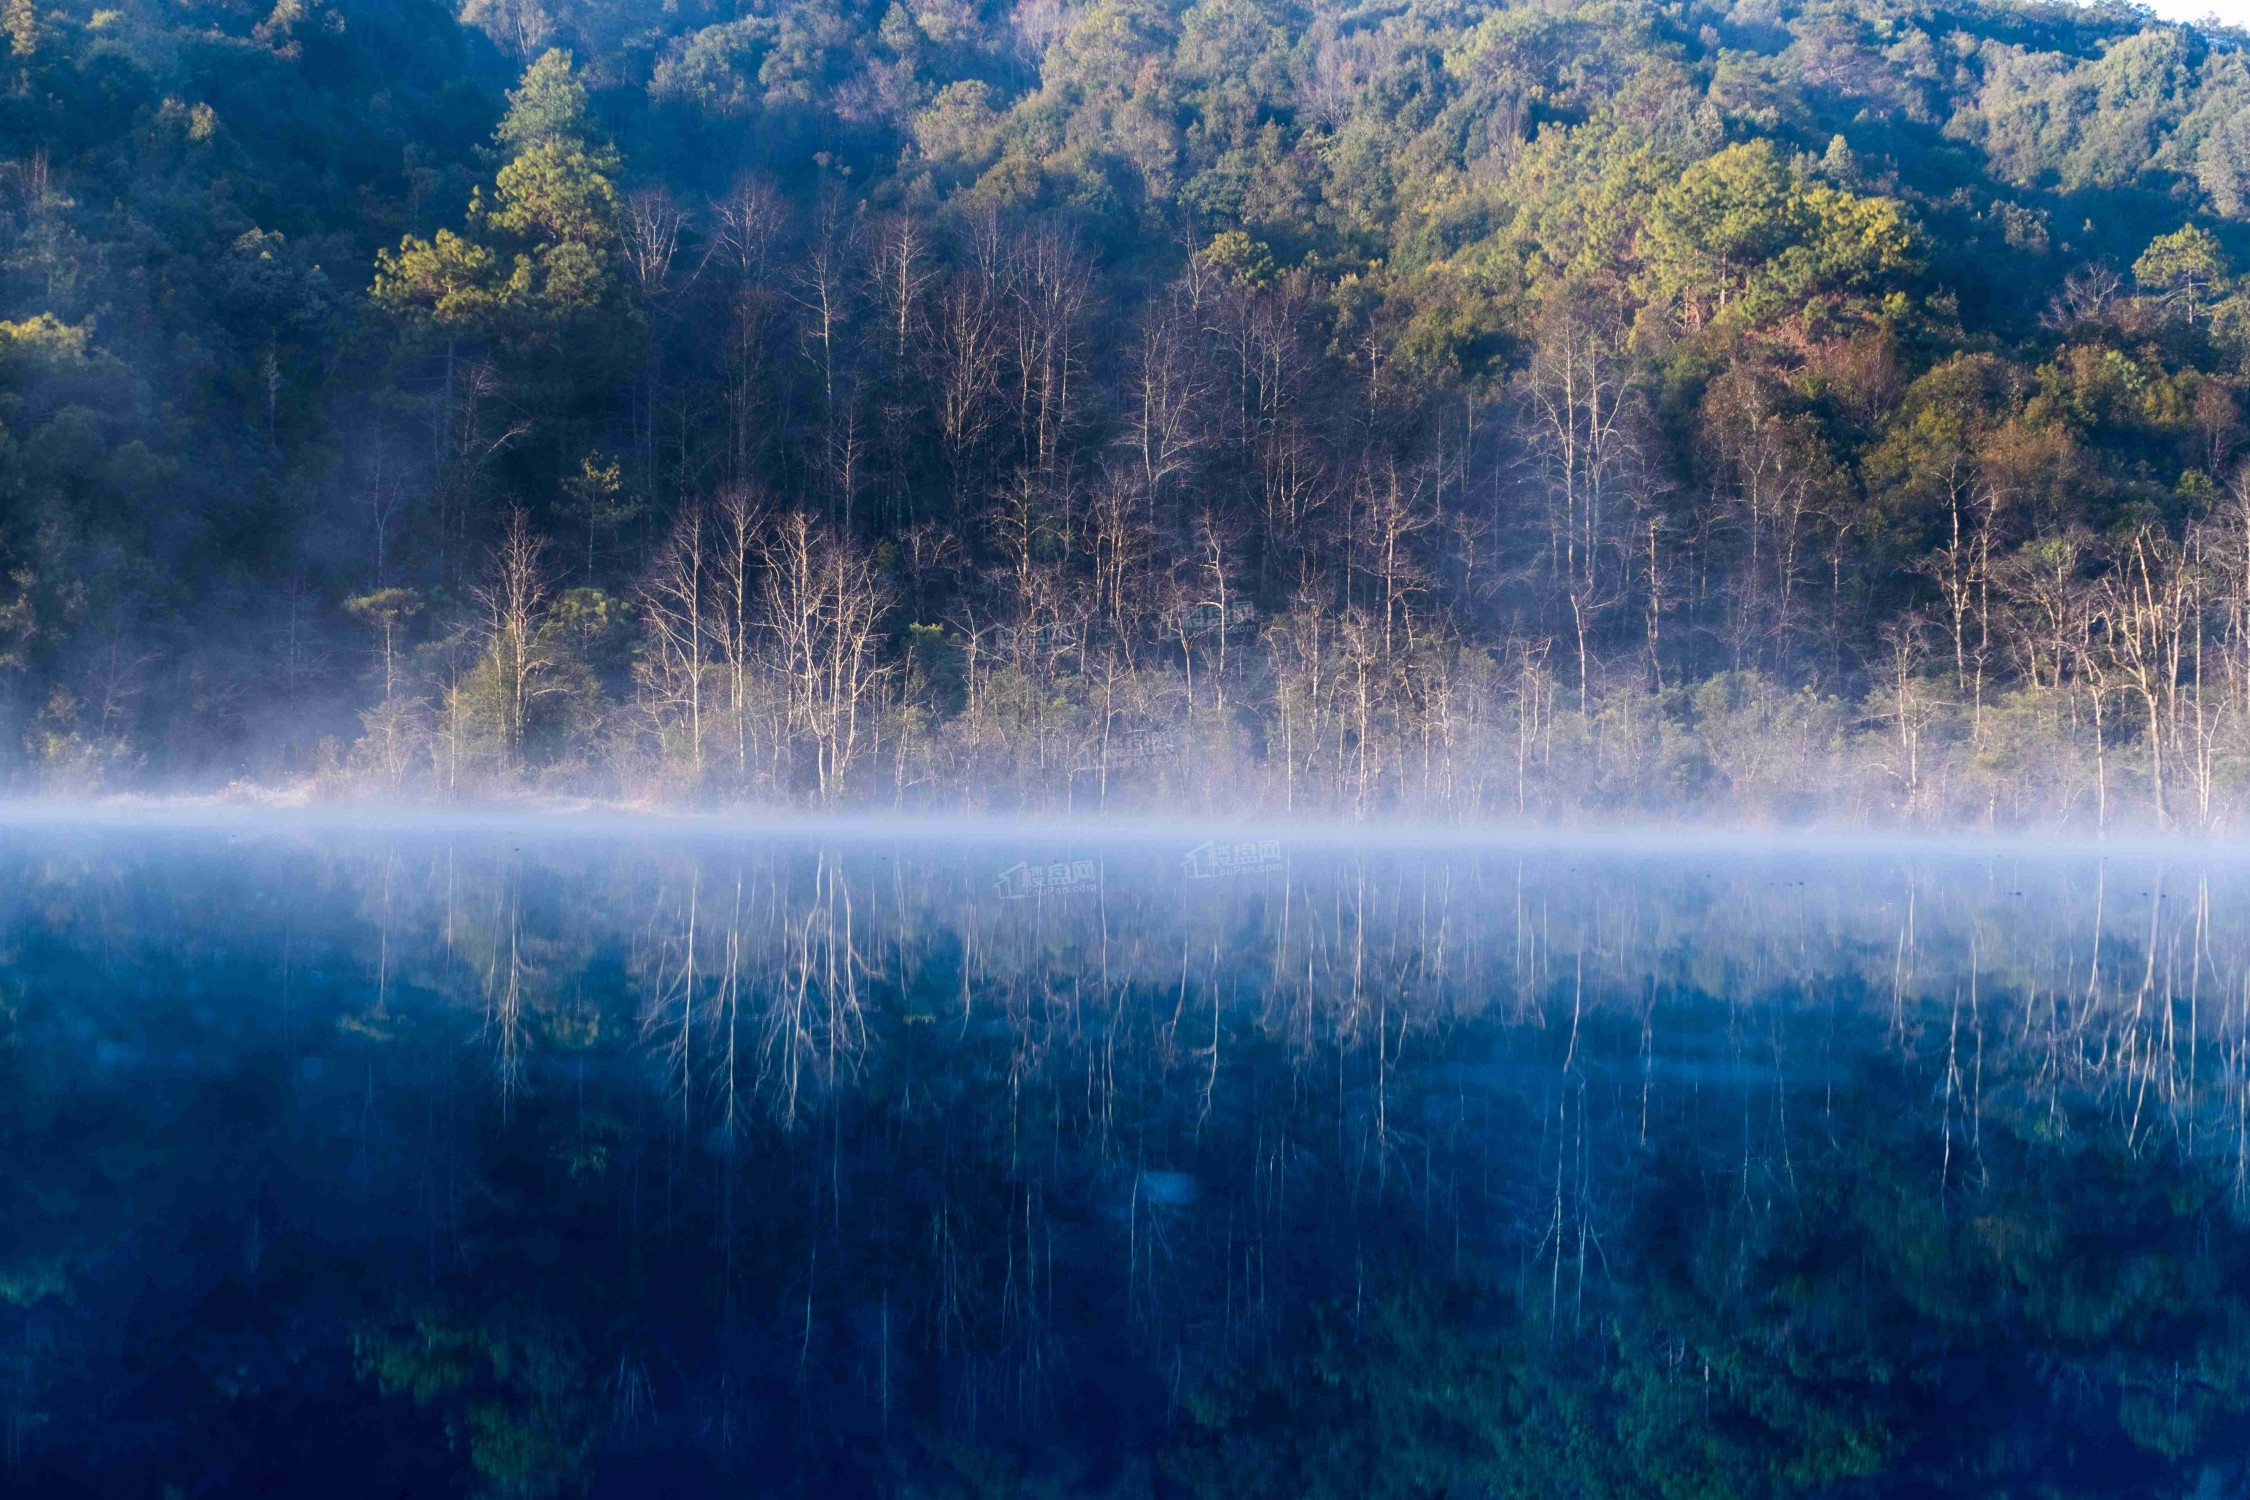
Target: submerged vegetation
x=1778, y=409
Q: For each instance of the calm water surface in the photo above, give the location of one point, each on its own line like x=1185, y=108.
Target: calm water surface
x=495, y=1163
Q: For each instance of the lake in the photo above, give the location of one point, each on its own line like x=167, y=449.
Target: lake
x=519, y=1161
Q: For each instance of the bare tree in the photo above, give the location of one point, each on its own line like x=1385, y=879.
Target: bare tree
x=730, y=605
x=821, y=289
x=2228, y=545
x=1301, y=647
x=1582, y=424
x=1393, y=510
x=2146, y=615
x=748, y=223
x=930, y=554
x=674, y=607
x=1049, y=283
x=900, y=272
x=2087, y=295
x=513, y=599
x=653, y=222
x=1123, y=542
x=964, y=356
x=2044, y=599
x=1904, y=699
x=1164, y=394
x=1218, y=584
x=1774, y=472
x=749, y=220
x=823, y=605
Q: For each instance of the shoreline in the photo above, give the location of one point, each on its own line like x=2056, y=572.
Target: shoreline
x=582, y=817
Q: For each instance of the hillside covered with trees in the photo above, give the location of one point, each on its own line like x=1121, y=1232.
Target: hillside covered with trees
x=1445, y=408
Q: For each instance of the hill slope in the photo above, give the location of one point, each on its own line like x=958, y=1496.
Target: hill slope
x=1505, y=410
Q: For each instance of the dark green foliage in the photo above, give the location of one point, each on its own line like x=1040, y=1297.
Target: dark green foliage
x=1076, y=319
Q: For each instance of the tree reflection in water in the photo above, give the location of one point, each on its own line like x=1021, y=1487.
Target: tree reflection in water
x=412, y=1164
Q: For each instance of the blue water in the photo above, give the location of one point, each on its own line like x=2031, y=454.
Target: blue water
x=501, y=1161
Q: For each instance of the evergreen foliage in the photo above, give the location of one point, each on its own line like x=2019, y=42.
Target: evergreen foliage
x=1828, y=407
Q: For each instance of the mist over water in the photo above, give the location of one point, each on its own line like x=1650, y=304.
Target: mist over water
x=499, y=1158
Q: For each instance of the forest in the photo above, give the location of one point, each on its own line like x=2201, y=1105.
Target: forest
x=1785, y=411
